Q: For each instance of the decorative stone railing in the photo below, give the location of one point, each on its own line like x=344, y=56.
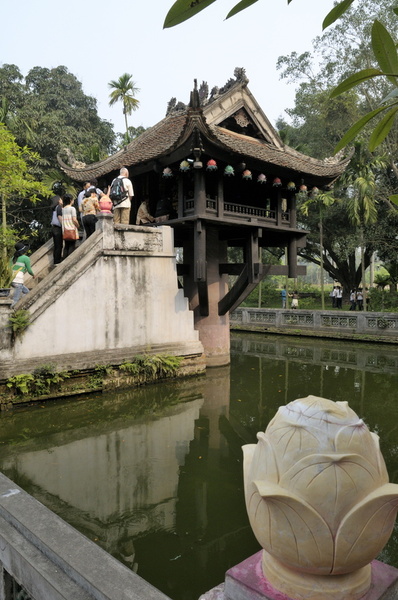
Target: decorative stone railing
x=329, y=323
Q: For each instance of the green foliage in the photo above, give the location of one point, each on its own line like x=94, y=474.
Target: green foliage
x=39, y=383
x=21, y=383
x=124, y=90
x=7, y=243
x=385, y=52
x=381, y=300
x=19, y=321
x=153, y=365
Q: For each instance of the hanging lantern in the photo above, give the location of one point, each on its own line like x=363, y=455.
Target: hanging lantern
x=167, y=172
x=184, y=166
x=314, y=191
x=229, y=171
x=240, y=167
x=284, y=205
x=291, y=186
x=303, y=189
x=277, y=182
x=261, y=178
x=247, y=174
x=211, y=165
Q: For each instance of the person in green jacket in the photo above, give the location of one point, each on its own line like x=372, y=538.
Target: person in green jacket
x=20, y=264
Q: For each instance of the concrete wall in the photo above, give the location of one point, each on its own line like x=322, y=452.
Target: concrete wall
x=116, y=296
x=52, y=561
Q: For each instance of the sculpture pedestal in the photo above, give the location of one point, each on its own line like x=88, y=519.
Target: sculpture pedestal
x=247, y=582
x=305, y=586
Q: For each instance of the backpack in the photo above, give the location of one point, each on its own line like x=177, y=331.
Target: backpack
x=117, y=192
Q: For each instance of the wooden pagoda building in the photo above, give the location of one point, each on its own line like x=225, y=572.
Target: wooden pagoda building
x=228, y=180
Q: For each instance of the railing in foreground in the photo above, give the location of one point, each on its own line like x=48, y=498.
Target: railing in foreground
x=44, y=558
x=363, y=323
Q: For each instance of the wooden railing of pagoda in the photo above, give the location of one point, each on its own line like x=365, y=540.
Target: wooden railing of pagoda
x=238, y=211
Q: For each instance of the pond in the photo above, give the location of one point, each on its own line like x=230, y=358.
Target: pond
x=154, y=474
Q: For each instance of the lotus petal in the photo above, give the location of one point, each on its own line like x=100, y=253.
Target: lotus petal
x=331, y=483
x=290, y=529
x=357, y=439
x=263, y=463
x=365, y=529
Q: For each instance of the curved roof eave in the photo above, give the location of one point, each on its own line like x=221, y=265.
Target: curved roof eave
x=167, y=135
x=150, y=145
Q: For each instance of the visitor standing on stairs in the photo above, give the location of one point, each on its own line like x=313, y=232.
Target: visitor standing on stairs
x=57, y=229
x=70, y=225
x=20, y=264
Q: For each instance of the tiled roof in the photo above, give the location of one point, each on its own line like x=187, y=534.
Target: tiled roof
x=164, y=137
x=286, y=157
x=153, y=143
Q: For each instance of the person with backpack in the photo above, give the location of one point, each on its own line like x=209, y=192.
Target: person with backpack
x=121, y=193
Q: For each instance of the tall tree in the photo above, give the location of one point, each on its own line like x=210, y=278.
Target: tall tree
x=52, y=113
x=124, y=90
x=361, y=180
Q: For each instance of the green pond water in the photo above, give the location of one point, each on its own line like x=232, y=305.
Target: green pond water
x=154, y=475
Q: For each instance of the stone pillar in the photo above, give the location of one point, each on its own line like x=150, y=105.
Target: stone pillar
x=5, y=330
x=213, y=328
x=105, y=224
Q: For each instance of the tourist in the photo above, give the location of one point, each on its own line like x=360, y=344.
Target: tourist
x=333, y=296
x=121, y=212
x=339, y=297
x=20, y=264
x=70, y=225
x=353, y=299
x=57, y=229
x=283, y=296
x=360, y=299
x=89, y=209
x=295, y=297
x=143, y=215
x=81, y=195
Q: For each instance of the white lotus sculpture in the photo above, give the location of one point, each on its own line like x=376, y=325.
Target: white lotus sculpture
x=318, y=500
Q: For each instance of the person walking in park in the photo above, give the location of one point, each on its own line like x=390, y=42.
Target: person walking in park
x=283, y=296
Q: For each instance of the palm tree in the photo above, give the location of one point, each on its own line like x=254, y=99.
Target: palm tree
x=320, y=201
x=124, y=90
x=361, y=181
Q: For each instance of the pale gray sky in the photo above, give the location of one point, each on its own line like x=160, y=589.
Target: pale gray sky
x=98, y=41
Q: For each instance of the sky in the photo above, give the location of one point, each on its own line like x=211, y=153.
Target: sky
x=98, y=41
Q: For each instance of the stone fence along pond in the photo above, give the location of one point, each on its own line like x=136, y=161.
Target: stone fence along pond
x=153, y=475
x=361, y=325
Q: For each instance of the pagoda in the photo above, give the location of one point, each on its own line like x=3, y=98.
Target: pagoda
x=227, y=180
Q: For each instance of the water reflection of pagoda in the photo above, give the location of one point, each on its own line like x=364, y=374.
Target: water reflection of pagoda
x=228, y=180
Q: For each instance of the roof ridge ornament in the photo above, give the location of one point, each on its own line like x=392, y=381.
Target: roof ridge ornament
x=194, y=100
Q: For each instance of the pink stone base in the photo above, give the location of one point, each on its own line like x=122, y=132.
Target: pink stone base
x=246, y=581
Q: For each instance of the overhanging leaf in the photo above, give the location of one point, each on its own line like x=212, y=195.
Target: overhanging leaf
x=394, y=199
x=336, y=13
x=356, y=128
x=385, y=51
x=354, y=80
x=382, y=129
x=391, y=95
x=182, y=10
x=240, y=6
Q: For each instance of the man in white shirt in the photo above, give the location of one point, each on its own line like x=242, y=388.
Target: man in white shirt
x=121, y=213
